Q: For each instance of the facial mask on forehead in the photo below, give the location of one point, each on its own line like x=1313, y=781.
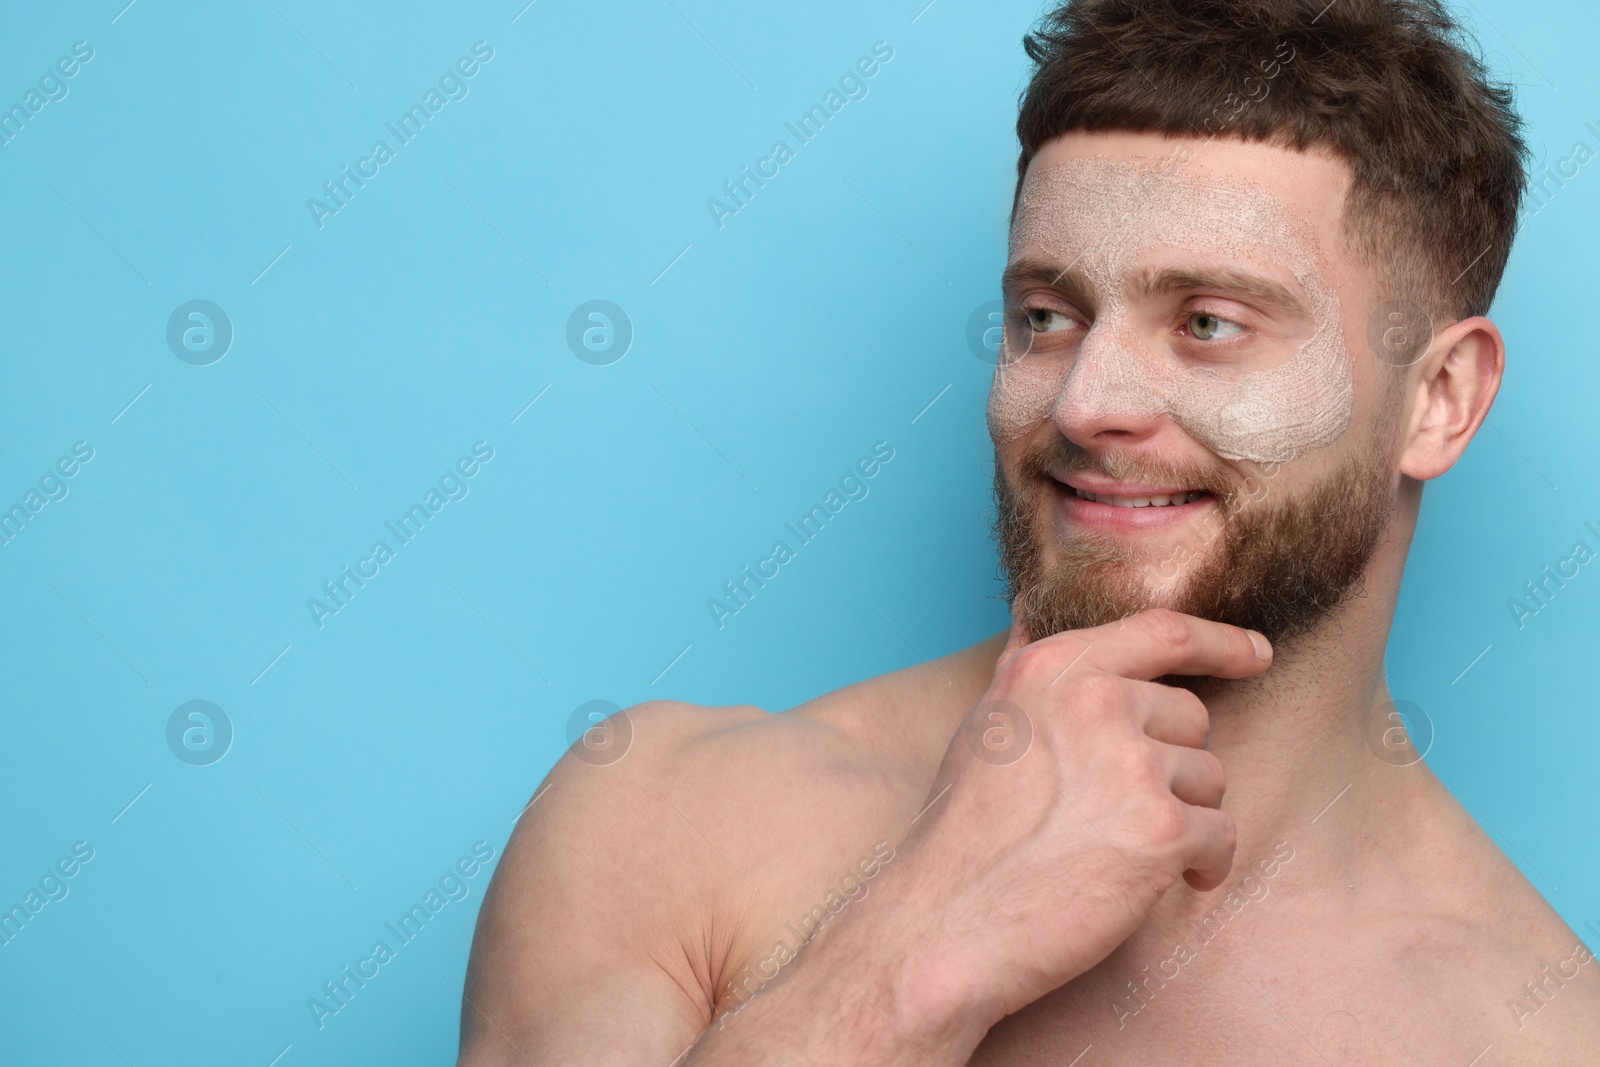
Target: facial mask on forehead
x=1105, y=218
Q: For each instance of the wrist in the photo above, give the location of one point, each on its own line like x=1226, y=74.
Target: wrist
x=937, y=1002
x=899, y=959
x=851, y=997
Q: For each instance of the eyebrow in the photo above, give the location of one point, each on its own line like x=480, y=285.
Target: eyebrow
x=1264, y=291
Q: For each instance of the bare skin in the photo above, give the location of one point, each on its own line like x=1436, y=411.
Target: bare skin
x=1276, y=886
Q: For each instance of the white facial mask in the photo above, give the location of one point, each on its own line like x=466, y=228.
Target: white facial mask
x=1107, y=218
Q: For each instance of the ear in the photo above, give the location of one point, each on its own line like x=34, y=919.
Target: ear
x=1456, y=382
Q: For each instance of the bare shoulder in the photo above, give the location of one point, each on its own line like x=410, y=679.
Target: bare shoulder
x=1524, y=987
x=1551, y=1011
x=1536, y=972
x=1510, y=977
x=592, y=887
x=645, y=866
x=668, y=850
x=1429, y=946
x=1535, y=980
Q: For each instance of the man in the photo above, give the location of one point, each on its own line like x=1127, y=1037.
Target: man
x=1251, y=252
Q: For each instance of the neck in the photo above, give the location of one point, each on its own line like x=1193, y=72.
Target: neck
x=1309, y=746
x=1297, y=742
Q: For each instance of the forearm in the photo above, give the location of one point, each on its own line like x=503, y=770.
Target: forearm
x=862, y=991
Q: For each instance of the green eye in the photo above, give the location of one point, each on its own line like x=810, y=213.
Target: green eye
x=1042, y=319
x=1203, y=326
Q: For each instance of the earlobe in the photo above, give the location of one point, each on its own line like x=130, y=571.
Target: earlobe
x=1450, y=396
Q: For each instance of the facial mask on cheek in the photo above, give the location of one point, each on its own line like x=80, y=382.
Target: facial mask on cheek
x=1133, y=210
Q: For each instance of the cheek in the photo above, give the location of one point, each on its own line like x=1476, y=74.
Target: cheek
x=1275, y=415
x=1022, y=395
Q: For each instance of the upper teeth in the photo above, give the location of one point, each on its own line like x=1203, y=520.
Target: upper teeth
x=1188, y=497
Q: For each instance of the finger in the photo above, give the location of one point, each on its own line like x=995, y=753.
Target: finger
x=1196, y=777
x=1211, y=857
x=1173, y=716
x=1158, y=641
x=1018, y=635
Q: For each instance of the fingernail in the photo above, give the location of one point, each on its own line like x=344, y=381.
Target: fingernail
x=1263, y=646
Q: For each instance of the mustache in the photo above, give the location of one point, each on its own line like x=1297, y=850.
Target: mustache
x=1062, y=456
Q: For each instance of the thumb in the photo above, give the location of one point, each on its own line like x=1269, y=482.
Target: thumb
x=1018, y=636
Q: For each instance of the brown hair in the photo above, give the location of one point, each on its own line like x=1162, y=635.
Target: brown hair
x=1395, y=88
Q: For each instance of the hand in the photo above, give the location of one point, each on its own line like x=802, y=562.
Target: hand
x=1072, y=797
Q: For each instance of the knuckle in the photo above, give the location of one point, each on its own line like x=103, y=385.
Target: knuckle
x=1056, y=653
x=1167, y=823
x=1139, y=768
x=1229, y=832
x=1169, y=628
x=1199, y=715
x=1030, y=662
x=1097, y=694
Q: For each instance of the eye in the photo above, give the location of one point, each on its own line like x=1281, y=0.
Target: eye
x=1047, y=320
x=1204, y=326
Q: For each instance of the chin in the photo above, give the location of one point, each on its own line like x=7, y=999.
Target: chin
x=1274, y=561
x=1081, y=594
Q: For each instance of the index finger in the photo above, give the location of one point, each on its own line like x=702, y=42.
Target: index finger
x=1159, y=641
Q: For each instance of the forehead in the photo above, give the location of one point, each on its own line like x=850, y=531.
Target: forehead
x=1227, y=190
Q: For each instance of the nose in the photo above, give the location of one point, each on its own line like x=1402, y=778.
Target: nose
x=1113, y=391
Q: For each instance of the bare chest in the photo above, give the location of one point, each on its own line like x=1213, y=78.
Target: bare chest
x=1217, y=1008
x=1262, y=981
x=1287, y=989
x=1279, y=965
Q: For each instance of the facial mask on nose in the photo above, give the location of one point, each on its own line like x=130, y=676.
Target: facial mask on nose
x=1105, y=218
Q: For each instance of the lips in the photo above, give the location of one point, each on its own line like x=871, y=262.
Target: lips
x=1152, y=500
x=1126, y=508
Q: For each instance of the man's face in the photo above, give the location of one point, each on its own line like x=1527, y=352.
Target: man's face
x=1178, y=420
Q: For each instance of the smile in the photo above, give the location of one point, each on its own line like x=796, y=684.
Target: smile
x=1126, y=508
x=1154, y=501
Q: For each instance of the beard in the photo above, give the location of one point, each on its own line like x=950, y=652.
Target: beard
x=1263, y=557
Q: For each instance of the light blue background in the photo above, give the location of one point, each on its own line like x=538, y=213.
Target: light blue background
x=424, y=316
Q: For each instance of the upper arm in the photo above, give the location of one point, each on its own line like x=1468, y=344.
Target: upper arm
x=584, y=951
